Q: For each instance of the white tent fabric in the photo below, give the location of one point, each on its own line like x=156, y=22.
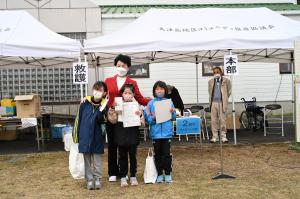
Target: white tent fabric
x=198, y=35
x=201, y=29
x=253, y=33
x=23, y=35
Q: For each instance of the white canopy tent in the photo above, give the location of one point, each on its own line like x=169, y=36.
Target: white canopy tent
x=181, y=34
x=21, y=35
x=199, y=35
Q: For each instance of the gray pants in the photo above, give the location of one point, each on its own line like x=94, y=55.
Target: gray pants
x=215, y=120
x=92, y=166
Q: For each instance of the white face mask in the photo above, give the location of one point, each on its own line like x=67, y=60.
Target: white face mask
x=121, y=71
x=217, y=75
x=160, y=94
x=128, y=97
x=97, y=95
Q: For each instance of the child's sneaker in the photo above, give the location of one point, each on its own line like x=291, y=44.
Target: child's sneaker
x=160, y=179
x=97, y=184
x=133, y=181
x=168, y=179
x=124, y=182
x=112, y=179
x=90, y=185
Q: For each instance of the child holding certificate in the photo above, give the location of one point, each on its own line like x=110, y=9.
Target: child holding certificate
x=161, y=130
x=127, y=136
x=88, y=133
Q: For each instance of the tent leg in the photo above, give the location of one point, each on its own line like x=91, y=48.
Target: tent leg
x=233, y=107
x=233, y=111
x=293, y=92
x=197, y=80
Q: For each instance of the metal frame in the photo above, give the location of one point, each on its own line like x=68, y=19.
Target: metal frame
x=266, y=118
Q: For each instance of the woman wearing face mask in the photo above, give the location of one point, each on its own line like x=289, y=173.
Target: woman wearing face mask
x=115, y=84
x=216, y=98
x=127, y=139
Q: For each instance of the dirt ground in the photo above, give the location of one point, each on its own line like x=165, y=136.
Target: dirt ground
x=261, y=171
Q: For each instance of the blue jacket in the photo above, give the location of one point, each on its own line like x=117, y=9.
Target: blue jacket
x=162, y=130
x=87, y=129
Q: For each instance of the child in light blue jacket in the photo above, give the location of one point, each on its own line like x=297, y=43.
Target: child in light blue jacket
x=161, y=134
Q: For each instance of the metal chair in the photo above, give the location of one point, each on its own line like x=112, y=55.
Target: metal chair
x=201, y=113
x=268, y=110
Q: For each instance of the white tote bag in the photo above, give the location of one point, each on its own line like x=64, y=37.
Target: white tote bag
x=68, y=141
x=150, y=172
x=76, y=162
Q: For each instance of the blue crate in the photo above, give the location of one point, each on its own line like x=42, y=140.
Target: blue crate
x=57, y=131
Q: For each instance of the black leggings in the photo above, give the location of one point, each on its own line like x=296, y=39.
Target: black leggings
x=163, y=158
x=124, y=151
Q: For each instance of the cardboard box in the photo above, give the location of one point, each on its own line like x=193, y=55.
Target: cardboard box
x=28, y=106
x=8, y=102
x=8, y=135
x=229, y=122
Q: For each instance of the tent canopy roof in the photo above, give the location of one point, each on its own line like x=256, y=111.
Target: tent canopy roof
x=23, y=35
x=255, y=34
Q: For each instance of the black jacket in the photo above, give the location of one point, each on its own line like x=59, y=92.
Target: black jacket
x=176, y=99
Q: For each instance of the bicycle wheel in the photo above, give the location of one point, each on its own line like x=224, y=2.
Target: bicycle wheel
x=244, y=119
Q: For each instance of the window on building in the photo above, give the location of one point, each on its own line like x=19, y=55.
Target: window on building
x=207, y=67
x=52, y=84
x=285, y=68
x=81, y=36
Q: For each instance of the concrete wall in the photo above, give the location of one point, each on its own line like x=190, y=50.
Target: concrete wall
x=62, y=16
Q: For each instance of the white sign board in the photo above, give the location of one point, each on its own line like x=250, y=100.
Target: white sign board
x=231, y=65
x=162, y=110
x=80, y=73
x=119, y=101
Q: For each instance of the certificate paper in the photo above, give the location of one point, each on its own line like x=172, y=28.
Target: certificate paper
x=129, y=117
x=162, y=110
x=119, y=102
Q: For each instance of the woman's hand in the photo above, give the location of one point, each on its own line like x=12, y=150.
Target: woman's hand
x=114, y=104
x=172, y=110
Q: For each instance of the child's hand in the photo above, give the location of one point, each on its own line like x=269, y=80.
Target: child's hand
x=138, y=112
x=83, y=100
x=172, y=110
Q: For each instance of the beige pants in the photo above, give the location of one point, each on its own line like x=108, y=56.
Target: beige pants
x=215, y=120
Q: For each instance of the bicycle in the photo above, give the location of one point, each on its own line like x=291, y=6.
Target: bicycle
x=253, y=116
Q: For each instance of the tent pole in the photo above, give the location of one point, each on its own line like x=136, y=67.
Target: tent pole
x=86, y=85
x=293, y=91
x=197, y=80
x=233, y=107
